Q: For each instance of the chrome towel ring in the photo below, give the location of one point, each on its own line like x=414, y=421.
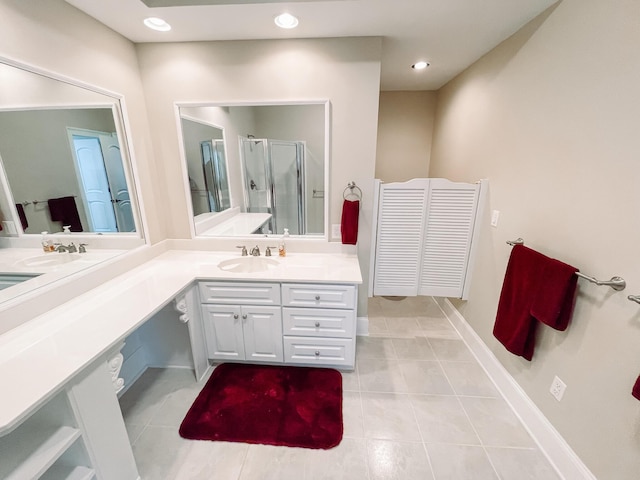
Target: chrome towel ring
x=350, y=190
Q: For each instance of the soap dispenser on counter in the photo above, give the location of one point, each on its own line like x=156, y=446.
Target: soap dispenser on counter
x=282, y=246
x=47, y=243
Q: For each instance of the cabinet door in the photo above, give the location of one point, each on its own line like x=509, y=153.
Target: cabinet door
x=262, y=328
x=223, y=331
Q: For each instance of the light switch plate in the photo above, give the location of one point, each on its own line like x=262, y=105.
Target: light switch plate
x=336, y=232
x=495, y=216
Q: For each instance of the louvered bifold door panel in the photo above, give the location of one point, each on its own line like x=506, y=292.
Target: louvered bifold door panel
x=401, y=214
x=447, y=240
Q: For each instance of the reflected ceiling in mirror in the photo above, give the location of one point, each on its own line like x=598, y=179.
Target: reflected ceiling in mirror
x=256, y=169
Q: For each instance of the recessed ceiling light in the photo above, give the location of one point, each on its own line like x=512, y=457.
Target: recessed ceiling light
x=420, y=65
x=157, y=24
x=286, y=20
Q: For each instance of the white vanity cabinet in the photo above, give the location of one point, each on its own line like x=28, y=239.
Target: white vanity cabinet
x=319, y=324
x=242, y=321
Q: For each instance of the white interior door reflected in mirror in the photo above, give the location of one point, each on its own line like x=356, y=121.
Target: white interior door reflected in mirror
x=276, y=165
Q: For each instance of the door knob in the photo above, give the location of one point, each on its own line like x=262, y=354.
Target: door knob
x=317, y=353
x=235, y=316
x=244, y=317
x=317, y=324
x=317, y=297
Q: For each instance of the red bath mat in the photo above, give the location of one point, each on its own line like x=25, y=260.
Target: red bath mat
x=272, y=405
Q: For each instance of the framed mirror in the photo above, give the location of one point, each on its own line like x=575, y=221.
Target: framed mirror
x=256, y=169
x=64, y=162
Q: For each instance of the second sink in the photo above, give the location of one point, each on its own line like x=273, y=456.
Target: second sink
x=248, y=264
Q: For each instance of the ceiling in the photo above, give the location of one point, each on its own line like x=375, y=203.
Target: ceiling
x=450, y=34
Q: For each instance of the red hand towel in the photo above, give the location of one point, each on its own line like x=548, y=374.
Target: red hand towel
x=554, y=300
x=515, y=327
x=349, y=227
x=636, y=389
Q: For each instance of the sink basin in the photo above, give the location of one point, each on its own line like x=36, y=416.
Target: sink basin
x=48, y=260
x=248, y=264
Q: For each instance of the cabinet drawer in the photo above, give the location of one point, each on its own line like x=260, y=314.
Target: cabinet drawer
x=318, y=295
x=227, y=293
x=319, y=351
x=318, y=322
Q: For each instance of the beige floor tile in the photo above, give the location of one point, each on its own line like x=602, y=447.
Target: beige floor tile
x=390, y=460
x=443, y=420
x=460, y=462
x=521, y=464
x=389, y=416
x=381, y=375
x=426, y=377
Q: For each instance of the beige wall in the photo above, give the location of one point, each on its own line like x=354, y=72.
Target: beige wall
x=551, y=118
x=56, y=36
x=405, y=127
x=344, y=71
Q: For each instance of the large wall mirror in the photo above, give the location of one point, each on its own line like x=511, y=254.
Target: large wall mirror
x=256, y=169
x=64, y=161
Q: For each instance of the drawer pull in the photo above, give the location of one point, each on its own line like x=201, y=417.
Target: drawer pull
x=235, y=316
x=317, y=324
x=244, y=317
x=317, y=297
x=317, y=353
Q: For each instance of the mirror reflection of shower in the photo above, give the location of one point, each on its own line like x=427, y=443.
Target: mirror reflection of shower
x=274, y=182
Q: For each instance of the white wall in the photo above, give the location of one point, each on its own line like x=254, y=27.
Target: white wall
x=551, y=118
x=405, y=129
x=344, y=71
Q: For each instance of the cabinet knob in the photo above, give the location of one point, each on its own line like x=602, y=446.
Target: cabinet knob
x=235, y=316
x=317, y=353
x=244, y=317
x=317, y=297
x=317, y=324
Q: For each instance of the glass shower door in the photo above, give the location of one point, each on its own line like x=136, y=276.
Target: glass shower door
x=256, y=176
x=287, y=169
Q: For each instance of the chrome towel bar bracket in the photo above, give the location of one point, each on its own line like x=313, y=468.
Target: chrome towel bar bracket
x=634, y=298
x=617, y=283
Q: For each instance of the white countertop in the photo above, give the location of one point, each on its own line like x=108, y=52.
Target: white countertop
x=16, y=260
x=239, y=224
x=39, y=357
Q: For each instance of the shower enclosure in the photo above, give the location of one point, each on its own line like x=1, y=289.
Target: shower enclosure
x=215, y=175
x=274, y=182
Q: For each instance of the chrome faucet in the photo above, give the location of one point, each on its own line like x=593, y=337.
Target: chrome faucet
x=255, y=251
x=82, y=248
x=61, y=248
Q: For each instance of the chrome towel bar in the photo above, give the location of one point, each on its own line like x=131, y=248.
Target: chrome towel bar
x=634, y=298
x=616, y=283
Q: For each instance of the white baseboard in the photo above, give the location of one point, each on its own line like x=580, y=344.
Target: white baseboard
x=362, y=326
x=555, y=448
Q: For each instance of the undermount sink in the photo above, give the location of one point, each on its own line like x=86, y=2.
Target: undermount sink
x=48, y=260
x=248, y=264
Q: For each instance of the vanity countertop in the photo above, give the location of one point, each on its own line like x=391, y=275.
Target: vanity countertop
x=39, y=357
x=50, y=266
x=239, y=224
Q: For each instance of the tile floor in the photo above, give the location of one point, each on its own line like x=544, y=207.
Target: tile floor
x=418, y=406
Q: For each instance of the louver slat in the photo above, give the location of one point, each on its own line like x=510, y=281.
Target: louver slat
x=399, y=240
x=447, y=240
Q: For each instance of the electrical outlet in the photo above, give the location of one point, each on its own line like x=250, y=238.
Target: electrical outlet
x=557, y=388
x=336, y=232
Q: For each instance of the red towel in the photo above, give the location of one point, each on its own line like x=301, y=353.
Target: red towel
x=536, y=288
x=515, y=326
x=636, y=389
x=554, y=300
x=64, y=210
x=349, y=227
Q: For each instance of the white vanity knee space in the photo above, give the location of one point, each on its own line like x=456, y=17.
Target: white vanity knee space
x=292, y=323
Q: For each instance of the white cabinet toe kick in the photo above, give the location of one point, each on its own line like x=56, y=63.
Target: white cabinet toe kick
x=290, y=323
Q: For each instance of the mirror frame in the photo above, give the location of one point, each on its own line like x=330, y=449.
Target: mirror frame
x=259, y=103
x=121, y=121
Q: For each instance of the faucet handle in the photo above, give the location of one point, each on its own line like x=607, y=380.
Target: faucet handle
x=267, y=252
x=82, y=248
x=244, y=250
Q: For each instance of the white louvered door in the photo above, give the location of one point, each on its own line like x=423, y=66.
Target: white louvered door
x=401, y=216
x=448, y=232
x=424, y=236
